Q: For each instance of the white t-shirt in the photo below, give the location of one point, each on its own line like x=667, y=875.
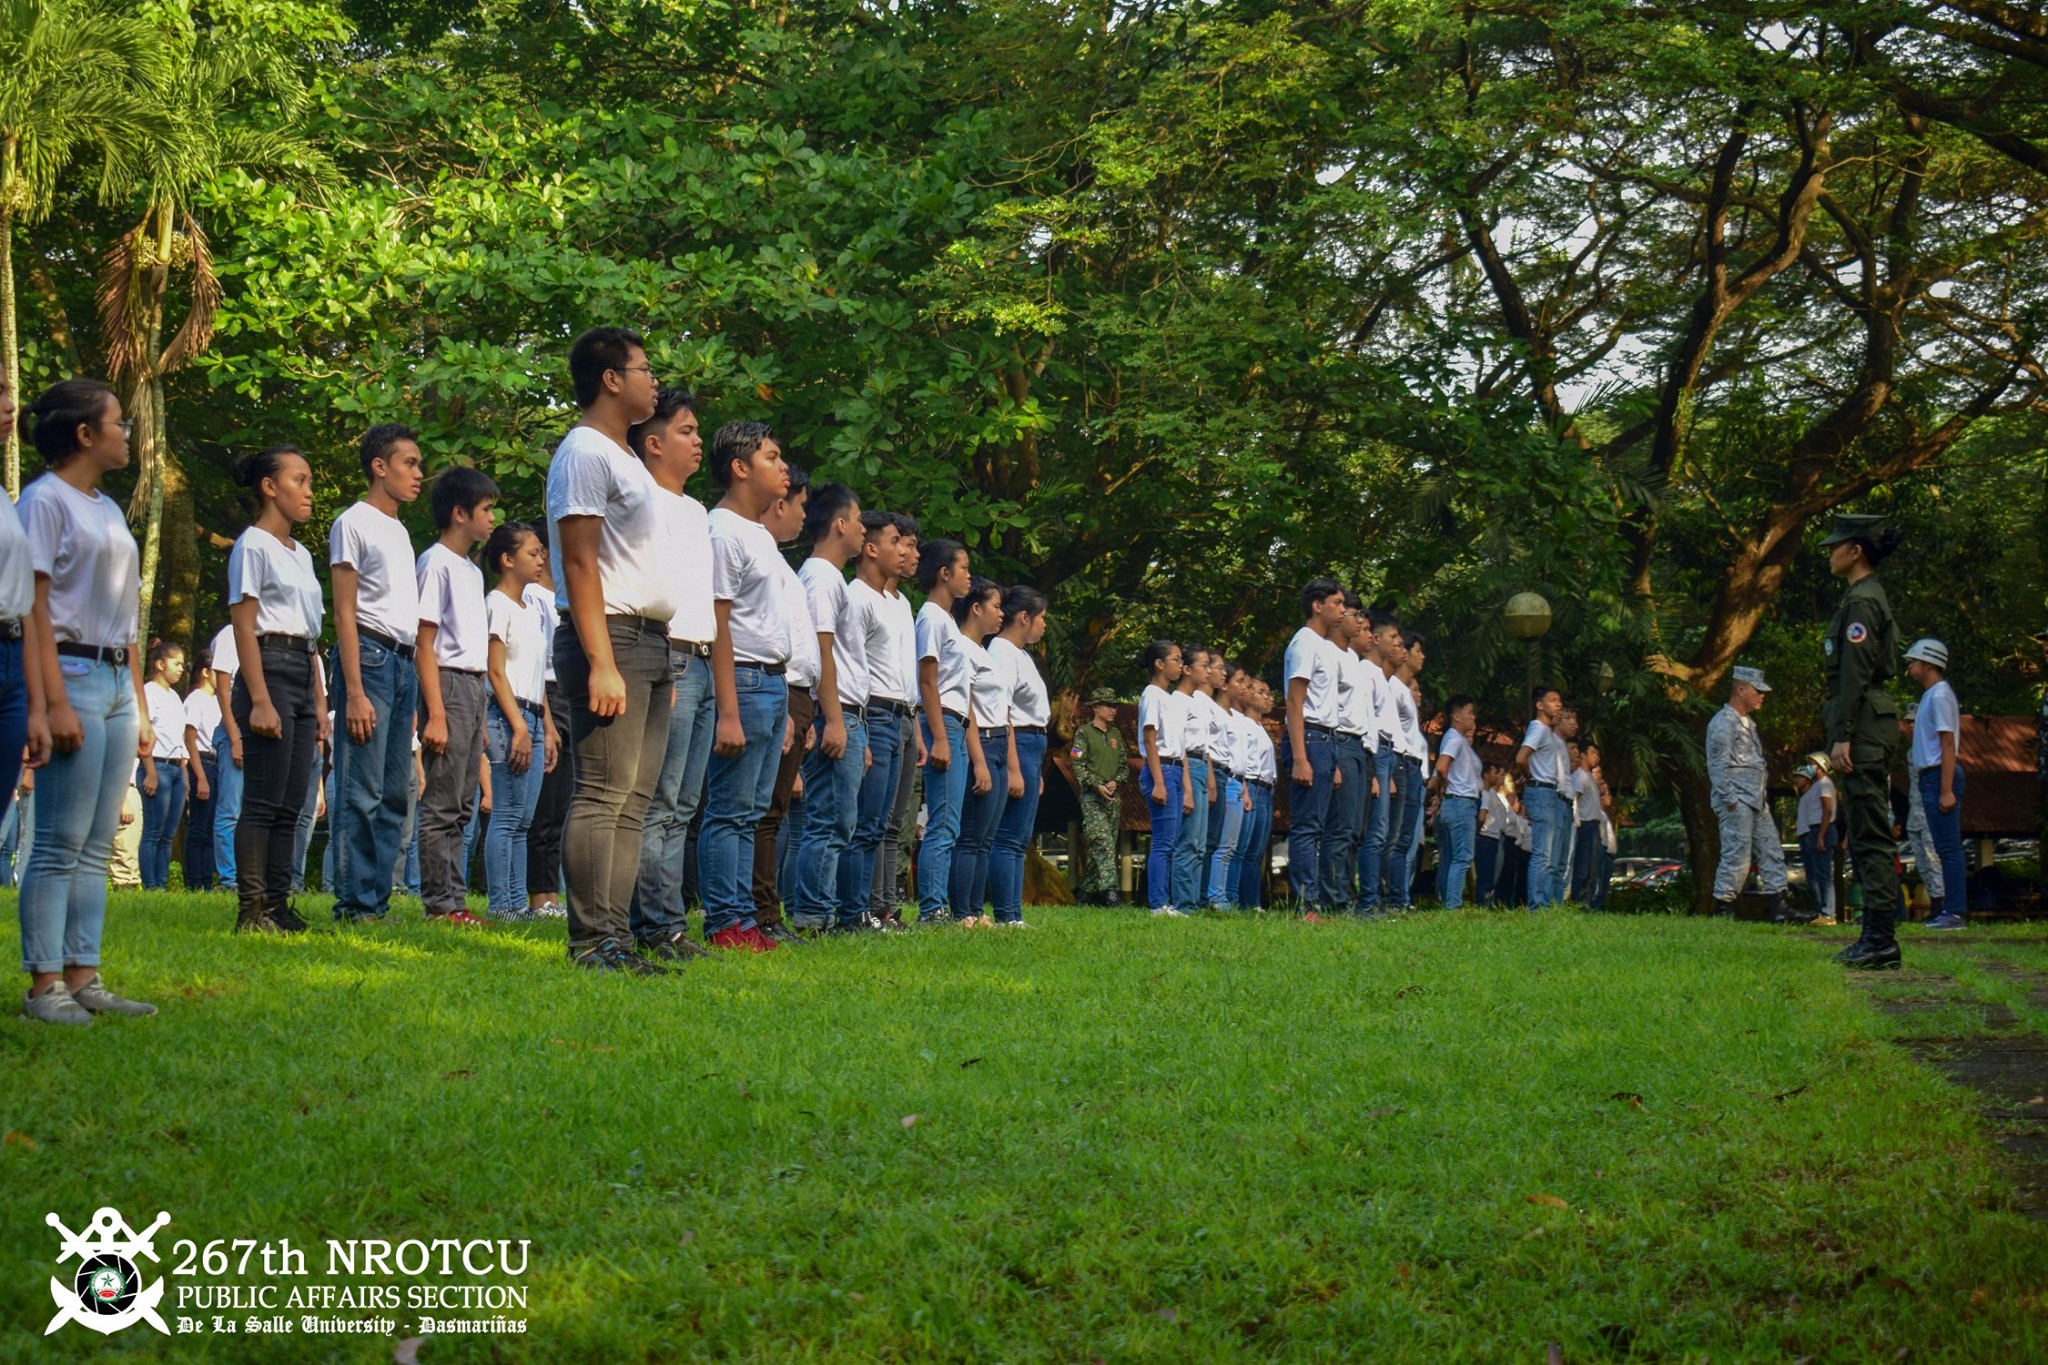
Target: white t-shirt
x=17, y=566
x=1938, y=714
x=938, y=637
x=1462, y=778
x=1029, y=703
x=1386, y=721
x=1262, y=765
x=804, y=659
x=688, y=530
x=1357, y=706
x=1313, y=657
x=873, y=617
x=167, y=718
x=831, y=601
x=746, y=570
x=1494, y=815
x=202, y=713
x=594, y=476
x=1810, y=811
x=988, y=686
x=1215, y=723
x=543, y=603
x=1547, y=757
x=452, y=601
x=903, y=630
x=518, y=624
x=1160, y=711
x=82, y=545
x=377, y=547
x=1408, y=738
x=226, y=658
x=1585, y=796
x=281, y=579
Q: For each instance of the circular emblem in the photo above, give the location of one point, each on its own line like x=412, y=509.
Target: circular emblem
x=107, y=1283
x=1857, y=632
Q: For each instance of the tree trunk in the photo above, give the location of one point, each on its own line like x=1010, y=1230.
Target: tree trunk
x=179, y=565
x=146, y=411
x=10, y=351
x=1702, y=834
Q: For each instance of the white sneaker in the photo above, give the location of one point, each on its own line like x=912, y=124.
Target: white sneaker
x=1015, y=924
x=53, y=1004
x=551, y=910
x=95, y=996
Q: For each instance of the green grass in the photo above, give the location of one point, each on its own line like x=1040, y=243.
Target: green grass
x=1134, y=1140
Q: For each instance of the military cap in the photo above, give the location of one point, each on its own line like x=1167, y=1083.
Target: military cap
x=1753, y=676
x=1102, y=696
x=1854, y=526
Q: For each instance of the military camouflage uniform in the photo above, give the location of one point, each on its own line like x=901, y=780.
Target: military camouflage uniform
x=1098, y=760
x=1735, y=767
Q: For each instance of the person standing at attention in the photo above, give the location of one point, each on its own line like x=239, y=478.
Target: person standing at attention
x=1543, y=758
x=372, y=566
x=1936, y=767
x=1735, y=768
x=202, y=720
x=454, y=662
x=838, y=757
x=891, y=680
x=943, y=686
x=978, y=614
x=749, y=669
x=1312, y=714
x=1100, y=767
x=1024, y=613
x=615, y=588
x=519, y=737
x=1457, y=777
x=1162, y=775
x=785, y=522
x=165, y=775
x=1815, y=831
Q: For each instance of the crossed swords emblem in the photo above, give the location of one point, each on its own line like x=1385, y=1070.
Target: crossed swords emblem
x=99, y=1239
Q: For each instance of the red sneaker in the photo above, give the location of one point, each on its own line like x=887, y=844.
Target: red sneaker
x=762, y=943
x=1311, y=917
x=743, y=940
x=461, y=917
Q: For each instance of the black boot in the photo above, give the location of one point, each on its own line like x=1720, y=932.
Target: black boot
x=1878, y=949
x=253, y=920
x=286, y=918
x=1724, y=909
x=1784, y=914
x=1115, y=898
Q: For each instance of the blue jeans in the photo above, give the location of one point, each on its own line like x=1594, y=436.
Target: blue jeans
x=979, y=815
x=1405, y=812
x=302, y=833
x=1819, y=863
x=659, y=906
x=1378, y=822
x=1223, y=862
x=736, y=796
x=1420, y=823
x=1344, y=823
x=1013, y=833
x=199, y=828
x=1307, y=813
x=227, y=808
x=372, y=781
x=78, y=808
x=1946, y=830
x=1550, y=832
x=1457, y=828
x=13, y=721
x=875, y=808
x=1166, y=822
x=513, y=798
x=1585, y=861
x=1487, y=869
x=1254, y=836
x=160, y=816
x=832, y=790
x=1191, y=853
x=945, y=791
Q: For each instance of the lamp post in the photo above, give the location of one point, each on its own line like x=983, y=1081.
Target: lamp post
x=1527, y=617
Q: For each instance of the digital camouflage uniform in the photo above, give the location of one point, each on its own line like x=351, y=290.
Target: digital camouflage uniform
x=1098, y=760
x=1735, y=767
x=1862, y=649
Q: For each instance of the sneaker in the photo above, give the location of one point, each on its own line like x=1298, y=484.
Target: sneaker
x=551, y=910
x=95, y=996
x=1948, y=920
x=1823, y=921
x=971, y=921
x=676, y=947
x=1013, y=924
x=780, y=935
x=53, y=1004
x=1162, y=910
x=461, y=918
x=255, y=922
x=762, y=943
x=287, y=919
x=739, y=940
x=632, y=963
x=518, y=914
x=1311, y=917
x=601, y=957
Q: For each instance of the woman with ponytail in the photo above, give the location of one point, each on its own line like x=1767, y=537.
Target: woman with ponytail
x=88, y=593
x=1030, y=713
x=19, y=678
x=280, y=700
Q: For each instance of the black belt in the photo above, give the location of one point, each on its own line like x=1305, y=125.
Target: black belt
x=1202, y=754
x=10, y=628
x=960, y=716
x=462, y=672
x=1313, y=728
x=117, y=655
x=1028, y=729
x=643, y=624
x=1000, y=732
x=700, y=649
x=1261, y=783
x=389, y=642
x=531, y=708
x=296, y=644
x=1547, y=786
x=888, y=706
x=772, y=670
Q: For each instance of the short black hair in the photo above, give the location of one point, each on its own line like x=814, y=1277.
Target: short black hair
x=459, y=488
x=829, y=502
x=668, y=401
x=873, y=519
x=906, y=525
x=1352, y=601
x=1379, y=618
x=1411, y=638
x=1458, y=702
x=1155, y=654
x=799, y=479
x=934, y=557
x=1316, y=590
x=378, y=442
x=737, y=441
x=594, y=354
x=1540, y=691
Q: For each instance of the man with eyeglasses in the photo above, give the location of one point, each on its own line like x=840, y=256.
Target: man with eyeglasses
x=617, y=585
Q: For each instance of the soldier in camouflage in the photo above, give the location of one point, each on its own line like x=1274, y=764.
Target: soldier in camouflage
x=1735, y=768
x=1100, y=766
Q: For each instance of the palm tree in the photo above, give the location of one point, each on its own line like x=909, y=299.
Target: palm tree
x=230, y=103
x=74, y=81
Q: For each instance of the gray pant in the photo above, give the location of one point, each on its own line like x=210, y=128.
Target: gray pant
x=618, y=761
x=449, y=798
x=1748, y=835
x=1921, y=840
x=883, y=900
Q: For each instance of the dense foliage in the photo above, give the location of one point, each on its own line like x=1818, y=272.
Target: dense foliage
x=1168, y=306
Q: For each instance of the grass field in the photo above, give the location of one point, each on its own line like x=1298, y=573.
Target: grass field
x=1455, y=1136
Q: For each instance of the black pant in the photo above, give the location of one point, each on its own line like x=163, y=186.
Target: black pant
x=544, y=840
x=276, y=775
x=200, y=874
